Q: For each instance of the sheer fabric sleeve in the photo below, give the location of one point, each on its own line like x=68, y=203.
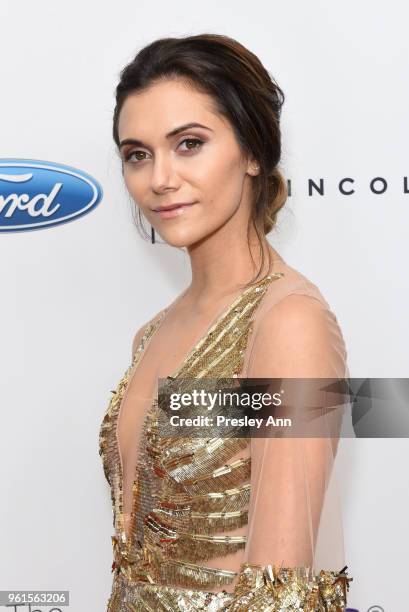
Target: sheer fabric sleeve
x=294, y=556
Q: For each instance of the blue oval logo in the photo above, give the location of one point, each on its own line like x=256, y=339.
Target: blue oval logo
x=36, y=194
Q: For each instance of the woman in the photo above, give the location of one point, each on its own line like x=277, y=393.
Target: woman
x=221, y=523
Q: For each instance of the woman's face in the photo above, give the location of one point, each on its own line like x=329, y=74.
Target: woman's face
x=201, y=166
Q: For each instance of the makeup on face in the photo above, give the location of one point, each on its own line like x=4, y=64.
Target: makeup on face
x=174, y=211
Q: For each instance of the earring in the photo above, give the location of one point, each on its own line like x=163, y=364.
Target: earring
x=152, y=235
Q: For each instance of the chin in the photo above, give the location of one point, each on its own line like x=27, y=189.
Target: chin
x=180, y=240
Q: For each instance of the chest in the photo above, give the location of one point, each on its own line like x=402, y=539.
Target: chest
x=220, y=352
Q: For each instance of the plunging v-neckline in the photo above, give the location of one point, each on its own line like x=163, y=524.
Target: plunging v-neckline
x=202, y=338
x=137, y=358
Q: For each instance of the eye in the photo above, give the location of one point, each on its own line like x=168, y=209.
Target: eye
x=197, y=142
x=128, y=156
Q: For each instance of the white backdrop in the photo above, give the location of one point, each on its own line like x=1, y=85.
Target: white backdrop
x=74, y=294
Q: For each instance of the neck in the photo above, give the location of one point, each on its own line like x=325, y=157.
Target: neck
x=221, y=267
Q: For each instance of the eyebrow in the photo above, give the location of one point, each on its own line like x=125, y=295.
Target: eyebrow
x=174, y=132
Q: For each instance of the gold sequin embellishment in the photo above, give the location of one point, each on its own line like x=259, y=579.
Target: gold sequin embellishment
x=188, y=493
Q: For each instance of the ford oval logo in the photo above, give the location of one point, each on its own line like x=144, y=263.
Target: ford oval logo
x=36, y=194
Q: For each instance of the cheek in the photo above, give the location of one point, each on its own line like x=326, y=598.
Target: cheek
x=135, y=183
x=220, y=181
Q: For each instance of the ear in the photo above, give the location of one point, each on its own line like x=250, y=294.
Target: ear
x=253, y=167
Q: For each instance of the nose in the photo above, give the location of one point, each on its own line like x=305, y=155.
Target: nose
x=164, y=175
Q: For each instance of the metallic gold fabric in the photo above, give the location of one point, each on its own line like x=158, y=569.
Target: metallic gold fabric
x=188, y=492
x=155, y=598
x=274, y=589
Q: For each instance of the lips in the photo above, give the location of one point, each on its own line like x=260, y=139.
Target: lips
x=173, y=206
x=174, y=210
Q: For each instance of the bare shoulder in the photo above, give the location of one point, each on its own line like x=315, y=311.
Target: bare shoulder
x=299, y=337
x=141, y=331
x=297, y=319
x=295, y=310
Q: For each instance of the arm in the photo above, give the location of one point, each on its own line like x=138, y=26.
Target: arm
x=297, y=338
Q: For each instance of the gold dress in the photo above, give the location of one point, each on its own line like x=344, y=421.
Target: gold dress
x=197, y=527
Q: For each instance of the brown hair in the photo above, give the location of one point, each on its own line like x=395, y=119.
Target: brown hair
x=243, y=91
